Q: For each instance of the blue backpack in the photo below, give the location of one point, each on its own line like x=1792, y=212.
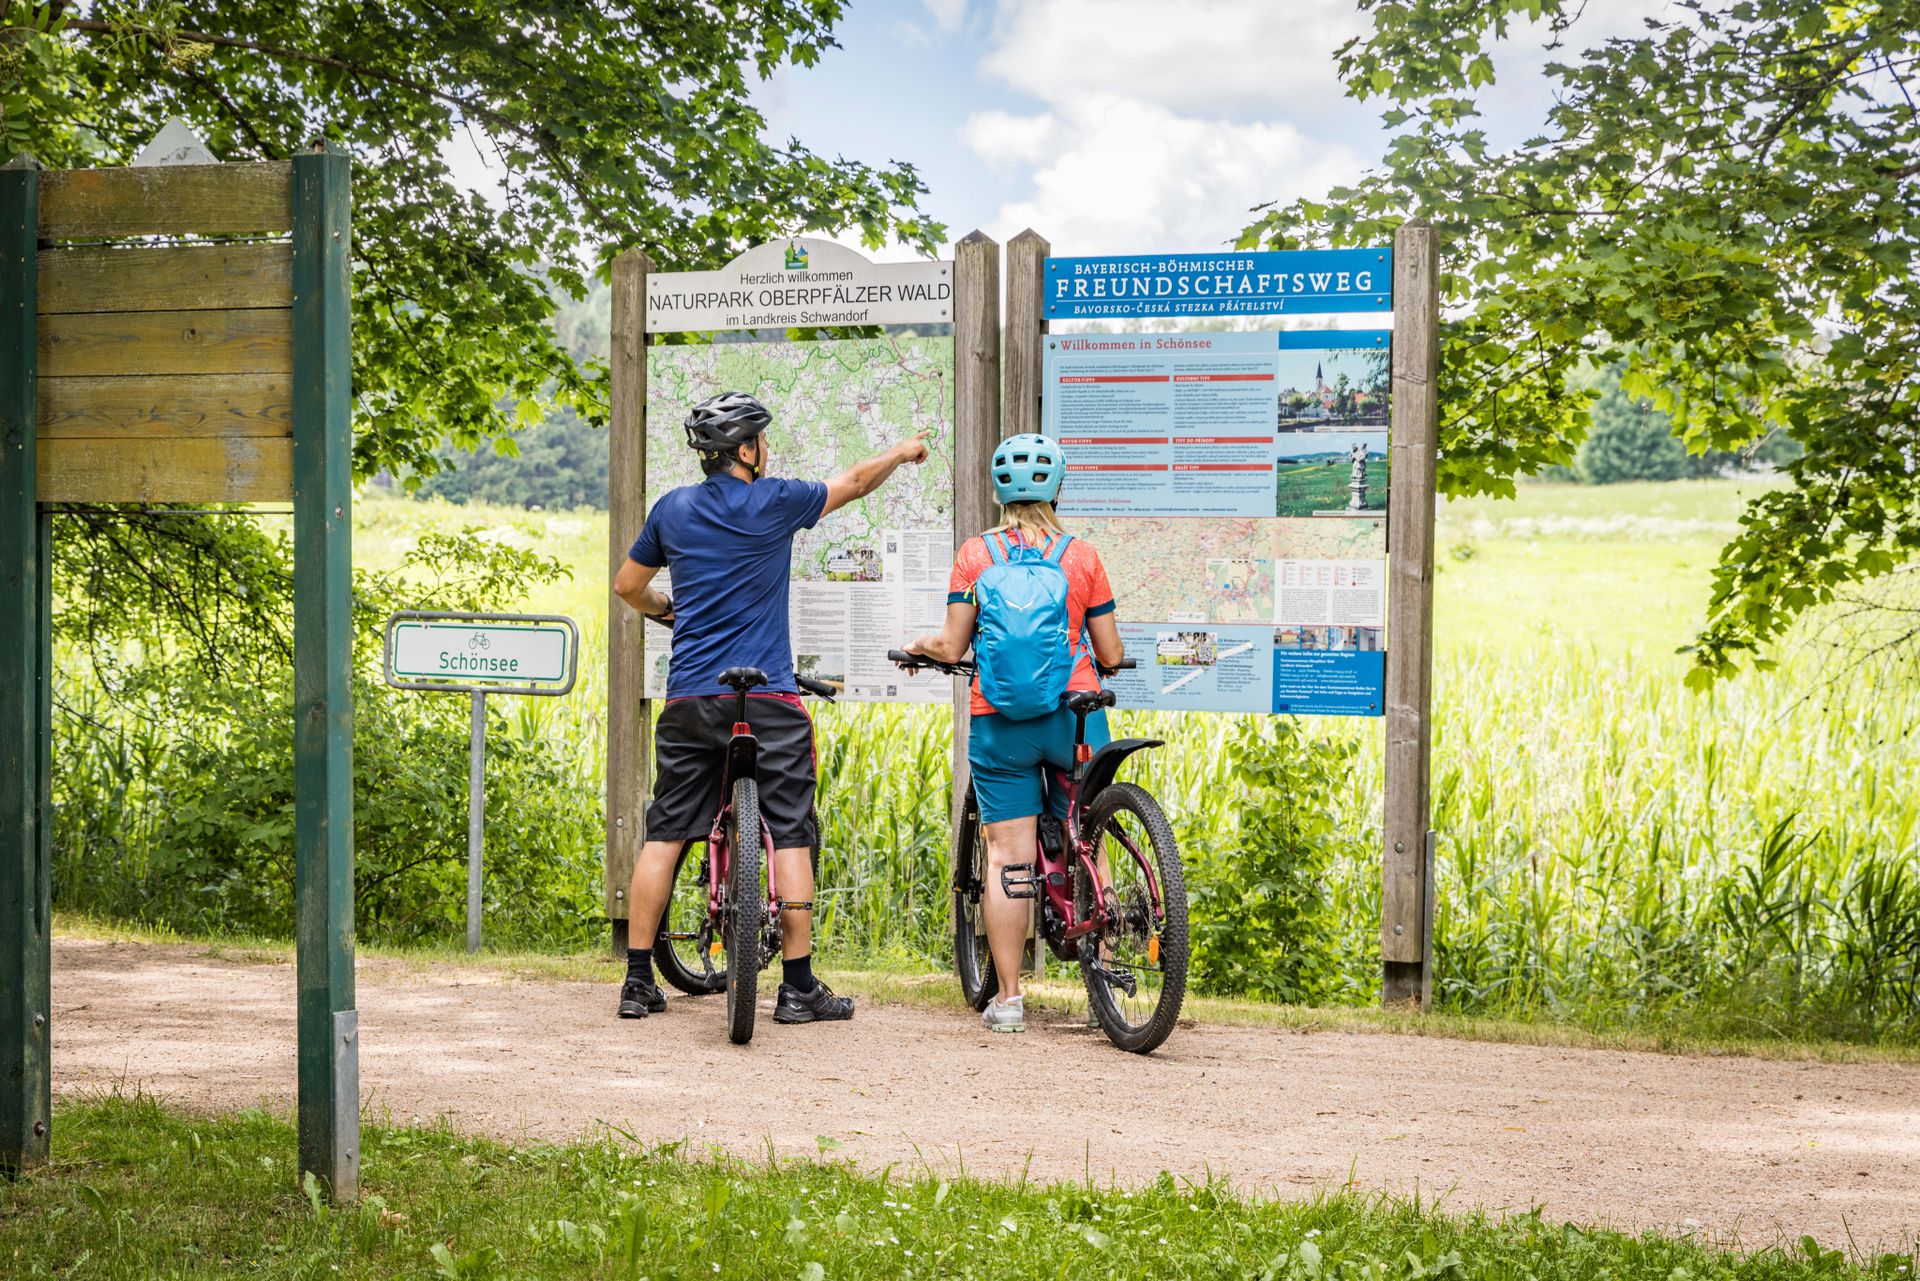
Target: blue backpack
x=1022, y=642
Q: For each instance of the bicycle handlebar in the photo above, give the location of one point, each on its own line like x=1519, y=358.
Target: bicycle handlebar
x=818, y=688
x=915, y=662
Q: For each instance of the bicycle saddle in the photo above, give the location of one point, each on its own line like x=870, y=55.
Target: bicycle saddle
x=1083, y=701
x=742, y=679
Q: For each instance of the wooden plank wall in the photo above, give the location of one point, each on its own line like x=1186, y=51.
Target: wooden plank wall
x=165, y=371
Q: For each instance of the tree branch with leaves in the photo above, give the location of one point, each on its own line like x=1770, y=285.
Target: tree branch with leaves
x=1724, y=205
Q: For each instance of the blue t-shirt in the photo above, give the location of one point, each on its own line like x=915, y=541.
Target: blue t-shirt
x=729, y=546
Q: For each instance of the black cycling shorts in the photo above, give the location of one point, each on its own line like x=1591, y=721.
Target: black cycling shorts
x=690, y=755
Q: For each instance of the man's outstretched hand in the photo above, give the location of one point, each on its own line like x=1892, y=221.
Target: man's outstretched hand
x=913, y=449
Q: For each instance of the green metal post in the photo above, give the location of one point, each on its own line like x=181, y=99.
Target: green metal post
x=322, y=672
x=26, y=944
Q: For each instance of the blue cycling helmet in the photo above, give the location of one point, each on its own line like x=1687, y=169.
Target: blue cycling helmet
x=1028, y=469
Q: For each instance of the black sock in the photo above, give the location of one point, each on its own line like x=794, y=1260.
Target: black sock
x=797, y=972
x=640, y=964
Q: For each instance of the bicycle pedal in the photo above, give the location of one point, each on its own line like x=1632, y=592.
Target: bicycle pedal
x=1116, y=979
x=1020, y=886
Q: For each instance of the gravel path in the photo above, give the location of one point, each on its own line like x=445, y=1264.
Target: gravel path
x=1727, y=1145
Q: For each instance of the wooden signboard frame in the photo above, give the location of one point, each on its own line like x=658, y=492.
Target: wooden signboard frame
x=976, y=356
x=208, y=360
x=1406, y=884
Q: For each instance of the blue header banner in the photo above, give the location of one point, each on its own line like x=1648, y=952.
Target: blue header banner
x=1265, y=283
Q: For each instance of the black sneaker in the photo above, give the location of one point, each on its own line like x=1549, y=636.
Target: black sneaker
x=638, y=998
x=817, y=1006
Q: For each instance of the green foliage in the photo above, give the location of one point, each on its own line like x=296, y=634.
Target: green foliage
x=559, y=464
x=1260, y=916
x=174, y=777
x=1726, y=203
x=1628, y=440
x=140, y=1190
x=613, y=126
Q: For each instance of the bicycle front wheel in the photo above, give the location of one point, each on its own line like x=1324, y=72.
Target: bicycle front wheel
x=683, y=950
x=1135, y=966
x=972, y=960
x=744, y=913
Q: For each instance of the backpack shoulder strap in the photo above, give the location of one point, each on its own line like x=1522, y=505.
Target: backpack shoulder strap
x=1058, y=551
x=996, y=550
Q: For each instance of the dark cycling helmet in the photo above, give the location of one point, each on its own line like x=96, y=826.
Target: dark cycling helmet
x=721, y=424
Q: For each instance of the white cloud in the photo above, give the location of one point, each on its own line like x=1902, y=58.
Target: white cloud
x=944, y=19
x=1121, y=175
x=1004, y=140
x=1162, y=125
x=1208, y=56
x=947, y=15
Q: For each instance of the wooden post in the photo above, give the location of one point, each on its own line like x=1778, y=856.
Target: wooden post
x=329, y=1049
x=26, y=998
x=1025, y=346
x=1406, y=923
x=1026, y=331
x=629, y=723
x=976, y=421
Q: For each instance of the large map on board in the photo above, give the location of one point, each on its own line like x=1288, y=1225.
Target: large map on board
x=874, y=572
x=1236, y=486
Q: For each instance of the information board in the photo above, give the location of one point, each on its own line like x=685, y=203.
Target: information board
x=1235, y=485
x=873, y=575
x=1253, y=283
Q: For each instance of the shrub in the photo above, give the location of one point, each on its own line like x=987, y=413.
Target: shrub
x=1260, y=917
x=173, y=772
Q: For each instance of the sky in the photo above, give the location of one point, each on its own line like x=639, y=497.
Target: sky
x=1119, y=126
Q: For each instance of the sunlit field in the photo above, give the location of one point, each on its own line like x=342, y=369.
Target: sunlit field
x=1610, y=845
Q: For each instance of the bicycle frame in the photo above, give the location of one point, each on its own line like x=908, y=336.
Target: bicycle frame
x=743, y=756
x=1051, y=879
x=1075, y=848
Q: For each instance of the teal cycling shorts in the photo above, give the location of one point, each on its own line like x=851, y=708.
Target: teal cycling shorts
x=1004, y=757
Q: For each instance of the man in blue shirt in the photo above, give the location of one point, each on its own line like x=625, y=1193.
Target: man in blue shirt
x=729, y=542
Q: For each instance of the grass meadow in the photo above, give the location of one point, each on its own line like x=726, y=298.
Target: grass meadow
x=1613, y=849
x=141, y=1191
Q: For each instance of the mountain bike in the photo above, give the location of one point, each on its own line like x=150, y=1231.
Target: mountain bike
x=1108, y=884
x=718, y=930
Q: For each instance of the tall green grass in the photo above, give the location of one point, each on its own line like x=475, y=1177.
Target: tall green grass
x=1612, y=848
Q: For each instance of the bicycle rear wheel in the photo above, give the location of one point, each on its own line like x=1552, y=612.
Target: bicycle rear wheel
x=1135, y=967
x=744, y=913
x=683, y=948
x=972, y=960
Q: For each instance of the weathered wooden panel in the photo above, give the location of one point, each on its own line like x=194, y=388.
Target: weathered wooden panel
x=629, y=718
x=177, y=278
x=167, y=200
x=166, y=405
x=1024, y=350
x=1405, y=927
x=157, y=470
x=976, y=420
x=257, y=341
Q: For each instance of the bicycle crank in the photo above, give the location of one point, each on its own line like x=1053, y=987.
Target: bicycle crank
x=1123, y=979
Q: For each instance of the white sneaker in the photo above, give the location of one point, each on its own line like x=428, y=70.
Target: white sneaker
x=1005, y=1016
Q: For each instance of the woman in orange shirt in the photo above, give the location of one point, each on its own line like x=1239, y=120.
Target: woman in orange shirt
x=1005, y=756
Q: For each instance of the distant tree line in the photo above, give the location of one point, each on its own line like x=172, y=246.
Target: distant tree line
x=559, y=462
x=1629, y=438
